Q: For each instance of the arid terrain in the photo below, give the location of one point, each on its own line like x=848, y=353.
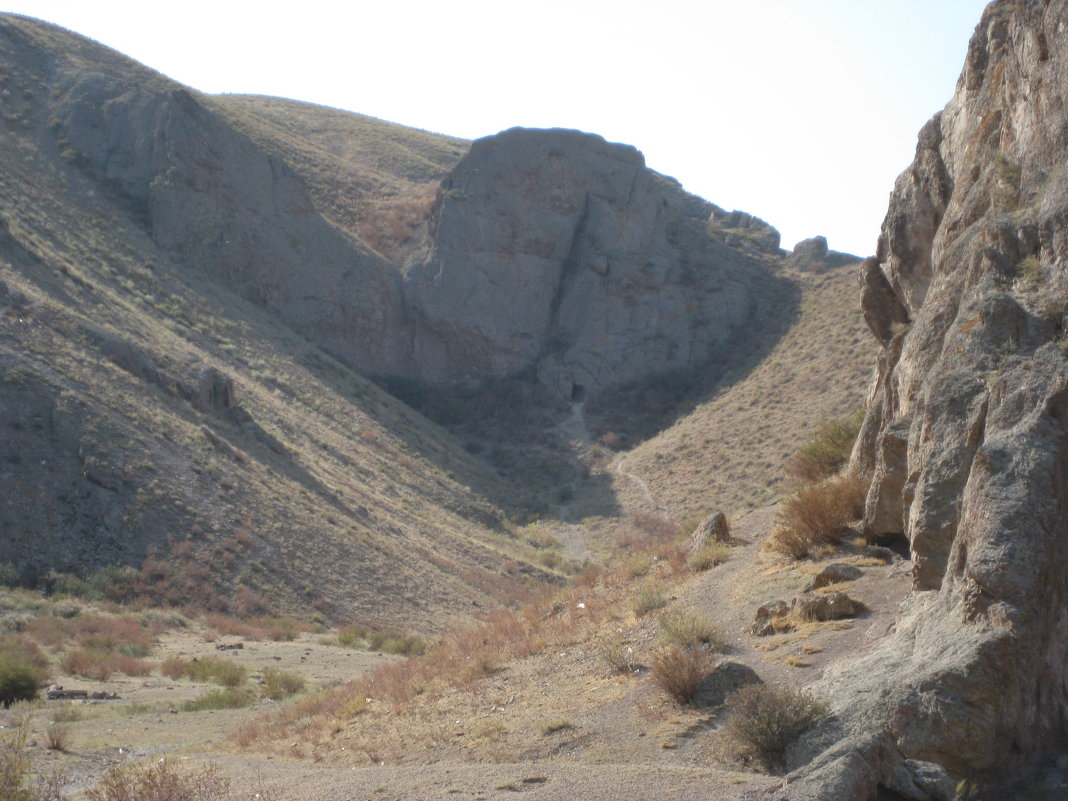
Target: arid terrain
x=343, y=460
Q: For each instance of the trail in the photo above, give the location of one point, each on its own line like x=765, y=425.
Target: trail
x=572, y=537
x=640, y=483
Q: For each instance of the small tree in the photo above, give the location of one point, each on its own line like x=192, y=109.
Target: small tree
x=19, y=681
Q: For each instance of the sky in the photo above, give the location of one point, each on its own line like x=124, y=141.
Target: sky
x=802, y=112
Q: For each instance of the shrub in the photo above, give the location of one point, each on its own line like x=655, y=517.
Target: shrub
x=161, y=781
x=690, y=628
x=223, y=698
x=58, y=737
x=828, y=451
x=619, y=657
x=351, y=636
x=766, y=719
x=16, y=783
x=391, y=641
x=818, y=514
x=278, y=684
x=206, y=669
x=680, y=671
x=19, y=681
x=650, y=596
x=99, y=665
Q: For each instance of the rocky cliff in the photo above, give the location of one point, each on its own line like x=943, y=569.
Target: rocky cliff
x=966, y=435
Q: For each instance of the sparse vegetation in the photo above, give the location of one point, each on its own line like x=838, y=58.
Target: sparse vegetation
x=828, y=451
x=161, y=781
x=648, y=597
x=818, y=514
x=707, y=556
x=766, y=719
x=279, y=684
x=17, y=782
x=679, y=671
x=690, y=628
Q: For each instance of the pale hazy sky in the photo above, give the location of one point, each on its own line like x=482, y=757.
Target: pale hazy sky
x=802, y=112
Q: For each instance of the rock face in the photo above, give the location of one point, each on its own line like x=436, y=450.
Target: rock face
x=559, y=251
x=966, y=434
x=547, y=251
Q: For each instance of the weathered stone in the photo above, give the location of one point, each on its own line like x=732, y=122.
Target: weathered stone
x=813, y=255
x=714, y=528
x=825, y=606
x=726, y=678
x=968, y=424
x=833, y=574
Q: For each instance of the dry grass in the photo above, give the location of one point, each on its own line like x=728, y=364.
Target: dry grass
x=161, y=781
x=707, y=556
x=17, y=782
x=728, y=452
x=818, y=514
x=679, y=671
x=648, y=597
x=828, y=451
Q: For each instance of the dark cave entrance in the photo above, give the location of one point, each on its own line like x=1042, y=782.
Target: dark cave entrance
x=578, y=393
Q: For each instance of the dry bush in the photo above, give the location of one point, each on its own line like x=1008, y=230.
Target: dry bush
x=680, y=671
x=16, y=780
x=690, y=628
x=618, y=656
x=123, y=635
x=818, y=514
x=100, y=665
x=828, y=451
x=161, y=781
x=766, y=719
x=279, y=684
x=58, y=737
x=650, y=596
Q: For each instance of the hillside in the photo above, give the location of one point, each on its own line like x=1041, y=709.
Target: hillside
x=150, y=410
x=197, y=291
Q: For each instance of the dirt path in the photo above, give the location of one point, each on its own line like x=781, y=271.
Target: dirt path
x=543, y=780
x=643, y=488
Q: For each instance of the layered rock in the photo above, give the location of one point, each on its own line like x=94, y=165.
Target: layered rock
x=966, y=434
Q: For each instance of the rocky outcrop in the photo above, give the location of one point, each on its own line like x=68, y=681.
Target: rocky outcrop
x=559, y=251
x=966, y=434
x=814, y=256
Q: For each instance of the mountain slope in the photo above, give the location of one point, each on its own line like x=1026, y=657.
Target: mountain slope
x=149, y=408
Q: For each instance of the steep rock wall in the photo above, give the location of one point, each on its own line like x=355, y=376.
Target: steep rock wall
x=558, y=250
x=966, y=434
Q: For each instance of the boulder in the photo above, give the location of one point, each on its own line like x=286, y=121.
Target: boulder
x=833, y=574
x=714, y=528
x=825, y=606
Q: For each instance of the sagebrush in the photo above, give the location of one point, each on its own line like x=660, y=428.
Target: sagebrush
x=766, y=719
